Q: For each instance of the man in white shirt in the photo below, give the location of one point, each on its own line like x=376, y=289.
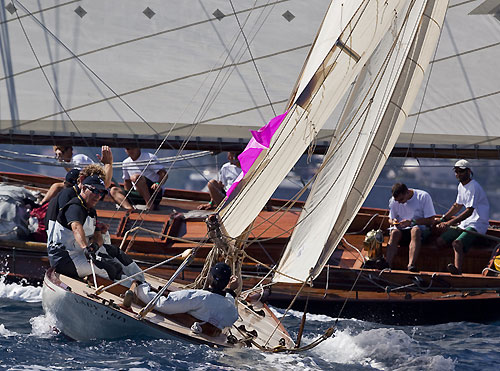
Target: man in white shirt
x=79, y=161
x=227, y=175
x=474, y=218
x=215, y=306
x=411, y=213
x=144, y=177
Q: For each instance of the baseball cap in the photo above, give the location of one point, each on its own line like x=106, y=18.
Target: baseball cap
x=72, y=176
x=221, y=273
x=94, y=181
x=462, y=164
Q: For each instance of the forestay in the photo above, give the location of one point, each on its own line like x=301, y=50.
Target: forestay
x=365, y=135
x=350, y=47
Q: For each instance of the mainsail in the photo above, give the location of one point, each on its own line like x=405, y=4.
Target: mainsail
x=165, y=58
x=377, y=109
x=350, y=47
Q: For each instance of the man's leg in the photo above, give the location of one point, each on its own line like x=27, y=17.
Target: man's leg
x=415, y=244
x=216, y=191
x=458, y=248
x=392, y=246
x=142, y=187
x=217, y=194
x=119, y=198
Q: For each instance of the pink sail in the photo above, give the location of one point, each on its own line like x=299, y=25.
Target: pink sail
x=261, y=139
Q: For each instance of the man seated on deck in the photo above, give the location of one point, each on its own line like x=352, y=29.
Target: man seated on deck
x=227, y=175
x=74, y=239
x=144, y=177
x=411, y=213
x=215, y=306
x=474, y=218
x=65, y=154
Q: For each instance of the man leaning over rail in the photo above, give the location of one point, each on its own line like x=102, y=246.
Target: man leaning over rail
x=215, y=306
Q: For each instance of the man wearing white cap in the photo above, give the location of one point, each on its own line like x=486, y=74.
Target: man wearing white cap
x=475, y=217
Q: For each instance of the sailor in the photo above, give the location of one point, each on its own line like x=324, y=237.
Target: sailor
x=144, y=177
x=105, y=250
x=474, y=218
x=73, y=236
x=227, y=175
x=215, y=306
x=73, y=182
x=411, y=214
x=79, y=161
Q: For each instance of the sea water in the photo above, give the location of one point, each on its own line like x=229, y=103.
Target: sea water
x=29, y=341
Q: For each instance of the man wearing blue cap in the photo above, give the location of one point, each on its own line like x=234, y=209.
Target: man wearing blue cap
x=474, y=218
x=215, y=306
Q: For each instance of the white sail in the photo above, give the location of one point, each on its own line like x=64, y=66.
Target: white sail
x=158, y=65
x=348, y=52
x=366, y=133
x=181, y=62
x=459, y=104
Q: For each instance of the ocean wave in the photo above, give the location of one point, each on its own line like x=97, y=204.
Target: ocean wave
x=5, y=332
x=14, y=291
x=381, y=348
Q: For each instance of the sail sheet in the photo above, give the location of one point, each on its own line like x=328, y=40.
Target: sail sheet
x=349, y=51
x=378, y=106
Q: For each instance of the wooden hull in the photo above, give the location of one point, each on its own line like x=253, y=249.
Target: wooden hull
x=82, y=315
x=397, y=297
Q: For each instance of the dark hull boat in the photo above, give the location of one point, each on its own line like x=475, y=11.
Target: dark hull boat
x=344, y=288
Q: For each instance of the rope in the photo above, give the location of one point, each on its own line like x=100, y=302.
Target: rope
x=286, y=312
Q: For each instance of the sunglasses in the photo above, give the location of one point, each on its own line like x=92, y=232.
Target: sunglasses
x=99, y=192
x=458, y=170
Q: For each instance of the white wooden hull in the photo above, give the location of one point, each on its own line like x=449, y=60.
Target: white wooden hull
x=84, y=319
x=83, y=316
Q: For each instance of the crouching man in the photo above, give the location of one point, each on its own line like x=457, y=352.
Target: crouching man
x=215, y=306
x=74, y=241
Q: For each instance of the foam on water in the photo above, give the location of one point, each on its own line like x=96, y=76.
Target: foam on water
x=43, y=326
x=18, y=292
x=380, y=348
x=5, y=332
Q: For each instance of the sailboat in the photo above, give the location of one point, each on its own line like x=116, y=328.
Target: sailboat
x=385, y=47
x=308, y=108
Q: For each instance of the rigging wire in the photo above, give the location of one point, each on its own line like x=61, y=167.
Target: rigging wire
x=352, y=128
x=252, y=58
x=424, y=94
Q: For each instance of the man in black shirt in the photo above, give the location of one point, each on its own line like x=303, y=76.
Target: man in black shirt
x=74, y=231
x=74, y=238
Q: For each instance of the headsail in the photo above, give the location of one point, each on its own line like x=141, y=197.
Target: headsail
x=350, y=47
x=366, y=133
